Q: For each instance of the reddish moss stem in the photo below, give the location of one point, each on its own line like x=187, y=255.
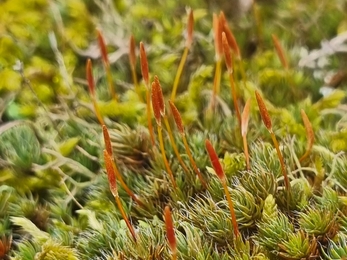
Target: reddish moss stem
x=180, y=127
x=108, y=147
x=268, y=124
x=114, y=191
x=170, y=232
x=221, y=175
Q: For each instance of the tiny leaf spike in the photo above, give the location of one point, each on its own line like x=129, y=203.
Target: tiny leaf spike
x=220, y=173
x=91, y=87
x=113, y=187
x=244, y=130
x=170, y=232
x=309, y=135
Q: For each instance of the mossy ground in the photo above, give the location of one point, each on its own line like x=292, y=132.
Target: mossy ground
x=55, y=201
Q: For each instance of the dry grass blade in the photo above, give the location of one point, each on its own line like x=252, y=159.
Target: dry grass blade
x=170, y=232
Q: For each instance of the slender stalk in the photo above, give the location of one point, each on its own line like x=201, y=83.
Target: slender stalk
x=113, y=187
x=190, y=26
x=231, y=207
x=221, y=175
x=174, y=146
x=179, y=73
